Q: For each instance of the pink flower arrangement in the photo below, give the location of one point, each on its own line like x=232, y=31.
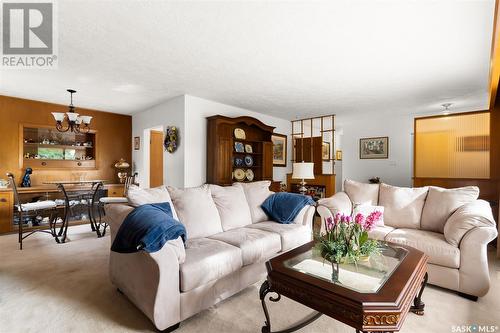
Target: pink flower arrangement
x=367, y=223
x=346, y=238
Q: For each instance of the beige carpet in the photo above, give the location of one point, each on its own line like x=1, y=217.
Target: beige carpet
x=51, y=287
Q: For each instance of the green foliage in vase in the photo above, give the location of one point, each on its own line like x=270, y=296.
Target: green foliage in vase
x=346, y=239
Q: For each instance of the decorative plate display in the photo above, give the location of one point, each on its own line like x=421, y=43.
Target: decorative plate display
x=239, y=174
x=239, y=147
x=238, y=161
x=248, y=160
x=248, y=148
x=249, y=174
x=239, y=134
x=171, y=139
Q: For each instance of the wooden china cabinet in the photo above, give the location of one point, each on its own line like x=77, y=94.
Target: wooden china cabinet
x=223, y=157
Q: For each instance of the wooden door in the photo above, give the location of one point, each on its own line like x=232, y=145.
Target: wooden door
x=156, y=159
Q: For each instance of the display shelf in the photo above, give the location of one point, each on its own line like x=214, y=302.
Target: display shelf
x=43, y=147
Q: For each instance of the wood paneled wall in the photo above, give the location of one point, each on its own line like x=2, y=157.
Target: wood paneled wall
x=114, y=138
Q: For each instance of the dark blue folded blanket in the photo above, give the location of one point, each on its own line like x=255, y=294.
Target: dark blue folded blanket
x=283, y=207
x=148, y=228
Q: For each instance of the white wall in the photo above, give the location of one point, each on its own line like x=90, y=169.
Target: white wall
x=398, y=168
x=187, y=166
x=197, y=109
x=169, y=113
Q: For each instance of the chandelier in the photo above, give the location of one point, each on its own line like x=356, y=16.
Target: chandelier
x=75, y=122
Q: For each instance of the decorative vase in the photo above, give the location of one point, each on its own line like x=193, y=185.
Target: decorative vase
x=335, y=271
x=122, y=167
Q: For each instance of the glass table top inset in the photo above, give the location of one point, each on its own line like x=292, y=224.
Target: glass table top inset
x=366, y=276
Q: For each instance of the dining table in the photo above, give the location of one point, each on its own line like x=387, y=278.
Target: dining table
x=86, y=193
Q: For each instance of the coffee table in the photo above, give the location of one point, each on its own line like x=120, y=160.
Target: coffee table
x=374, y=295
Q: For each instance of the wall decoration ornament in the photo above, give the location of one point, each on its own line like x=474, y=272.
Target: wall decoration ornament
x=26, y=182
x=325, y=151
x=338, y=155
x=279, y=149
x=137, y=143
x=171, y=141
x=373, y=148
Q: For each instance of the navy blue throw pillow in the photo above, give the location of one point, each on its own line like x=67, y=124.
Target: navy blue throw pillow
x=283, y=207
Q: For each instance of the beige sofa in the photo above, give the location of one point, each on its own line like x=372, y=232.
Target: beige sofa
x=229, y=239
x=450, y=225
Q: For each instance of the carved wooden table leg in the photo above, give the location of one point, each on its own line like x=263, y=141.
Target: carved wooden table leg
x=265, y=288
x=418, y=306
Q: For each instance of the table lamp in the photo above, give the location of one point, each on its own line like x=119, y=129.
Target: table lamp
x=303, y=170
x=122, y=167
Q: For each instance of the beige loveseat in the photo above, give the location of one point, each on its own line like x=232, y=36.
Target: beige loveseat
x=450, y=225
x=229, y=239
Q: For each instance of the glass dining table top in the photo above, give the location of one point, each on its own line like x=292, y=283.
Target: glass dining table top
x=74, y=182
x=365, y=276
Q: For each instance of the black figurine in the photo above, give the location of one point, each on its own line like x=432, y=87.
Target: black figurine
x=26, y=178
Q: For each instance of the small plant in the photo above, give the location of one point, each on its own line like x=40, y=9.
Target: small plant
x=346, y=238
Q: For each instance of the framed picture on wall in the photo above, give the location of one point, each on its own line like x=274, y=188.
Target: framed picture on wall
x=338, y=155
x=279, y=149
x=373, y=148
x=325, y=151
x=137, y=142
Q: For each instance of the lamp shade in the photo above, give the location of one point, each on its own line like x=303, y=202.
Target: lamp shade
x=86, y=119
x=72, y=116
x=303, y=170
x=58, y=116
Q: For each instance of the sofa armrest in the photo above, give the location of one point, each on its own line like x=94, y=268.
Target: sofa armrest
x=305, y=216
x=474, y=272
x=115, y=215
x=149, y=280
x=328, y=207
x=467, y=217
x=337, y=203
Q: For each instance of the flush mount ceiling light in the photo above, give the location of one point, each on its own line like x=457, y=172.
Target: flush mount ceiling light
x=446, y=107
x=75, y=122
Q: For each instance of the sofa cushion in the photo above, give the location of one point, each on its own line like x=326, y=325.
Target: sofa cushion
x=140, y=196
x=441, y=203
x=196, y=210
x=256, y=193
x=366, y=210
x=379, y=232
x=433, y=244
x=207, y=260
x=232, y=206
x=292, y=235
x=361, y=193
x=255, y=245
x=402, y=205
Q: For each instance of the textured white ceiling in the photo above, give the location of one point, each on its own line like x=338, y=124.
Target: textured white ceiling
x=287, y=59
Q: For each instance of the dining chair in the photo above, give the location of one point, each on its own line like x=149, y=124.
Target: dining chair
x=100, y=223
x=32, y=209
